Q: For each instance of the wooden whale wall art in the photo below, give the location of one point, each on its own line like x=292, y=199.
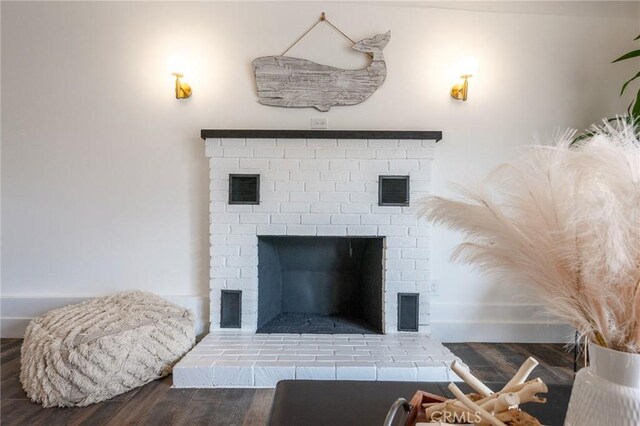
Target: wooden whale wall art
x=290, y=82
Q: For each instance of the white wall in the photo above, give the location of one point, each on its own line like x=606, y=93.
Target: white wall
x=104, y=178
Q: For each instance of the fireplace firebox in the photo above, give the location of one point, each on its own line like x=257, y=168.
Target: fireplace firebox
x=323, y=285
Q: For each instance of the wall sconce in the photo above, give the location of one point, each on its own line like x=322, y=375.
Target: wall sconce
x=175, y=64
x=467, y=67
x=183, y=90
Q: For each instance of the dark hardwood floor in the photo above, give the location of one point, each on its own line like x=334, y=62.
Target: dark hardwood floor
x=157, y=404
x=496, y=362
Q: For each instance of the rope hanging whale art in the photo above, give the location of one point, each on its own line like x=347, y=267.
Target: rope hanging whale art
x=290, y=82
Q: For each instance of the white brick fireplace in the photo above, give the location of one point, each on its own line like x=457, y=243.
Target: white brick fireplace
x=319, y=187
x=317, y=184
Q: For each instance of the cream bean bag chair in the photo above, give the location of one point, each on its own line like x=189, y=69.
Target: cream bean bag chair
x=86, y=353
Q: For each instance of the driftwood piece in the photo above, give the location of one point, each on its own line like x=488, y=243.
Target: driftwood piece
x=472, y=406
x=529, y=392
x=470, y=379
x=290, y=82
x=526, y=392
x=523, y=372
x=502, y=403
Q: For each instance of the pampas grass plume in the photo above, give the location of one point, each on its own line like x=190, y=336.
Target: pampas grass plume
x=565, y=221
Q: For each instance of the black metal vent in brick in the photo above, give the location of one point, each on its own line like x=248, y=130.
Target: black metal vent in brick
x=407, y=311
x=244, y=189
x=393, y=190
x=231, y=309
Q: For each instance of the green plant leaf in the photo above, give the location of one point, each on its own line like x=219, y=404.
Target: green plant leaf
x=632, y=54
x=636, y=107
x=637, y=38
x=624, y=86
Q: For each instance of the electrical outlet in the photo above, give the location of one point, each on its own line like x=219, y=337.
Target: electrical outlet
x=319, y=123
x=435, y=288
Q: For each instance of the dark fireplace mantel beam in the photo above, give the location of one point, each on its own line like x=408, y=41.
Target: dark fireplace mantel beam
x=435, y=135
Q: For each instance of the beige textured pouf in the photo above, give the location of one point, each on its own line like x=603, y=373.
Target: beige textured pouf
x=86, y=353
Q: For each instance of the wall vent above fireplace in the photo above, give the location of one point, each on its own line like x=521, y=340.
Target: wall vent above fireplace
x=393, y=190
x=244, y=189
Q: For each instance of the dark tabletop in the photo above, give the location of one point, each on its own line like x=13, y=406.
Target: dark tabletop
x=354, y=403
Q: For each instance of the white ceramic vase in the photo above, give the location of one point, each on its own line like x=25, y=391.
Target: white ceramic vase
x=608, y=391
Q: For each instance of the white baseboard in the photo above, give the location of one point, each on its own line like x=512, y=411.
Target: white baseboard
x=17, y=311
x=496, y=322
x=450, y=322
x=502, y=332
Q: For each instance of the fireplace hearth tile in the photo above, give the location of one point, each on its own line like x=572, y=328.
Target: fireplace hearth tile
x=315, y=371
x=233, y=373
x=356, y=371
x=268, y=374
x=435, y=372
x=194, y=376
x=241, y=359
x=397, y=371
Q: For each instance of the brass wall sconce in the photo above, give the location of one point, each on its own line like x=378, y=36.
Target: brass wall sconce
x=468, y=67
x=183, y=90
x=176, y=65
x=460, y=90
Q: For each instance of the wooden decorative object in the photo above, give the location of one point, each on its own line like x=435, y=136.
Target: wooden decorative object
x=486, y=407
x=419, y=400
x=471, y=380
x=290, y=82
